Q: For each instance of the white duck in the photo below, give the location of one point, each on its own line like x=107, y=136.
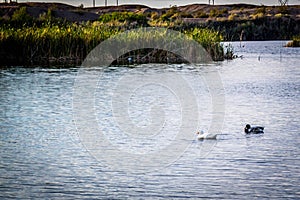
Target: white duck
x=202, y=136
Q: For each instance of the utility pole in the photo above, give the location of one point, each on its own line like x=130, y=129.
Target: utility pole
x=117, y=2
x=105, y=2
x=94, y=3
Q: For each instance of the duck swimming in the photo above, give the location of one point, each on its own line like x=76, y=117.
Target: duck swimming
x=254, y=129
x=202, y=136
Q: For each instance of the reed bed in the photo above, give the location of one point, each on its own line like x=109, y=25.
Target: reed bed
x=210, y=40
x=52, y=43
x=69, y=44
x=179, y=43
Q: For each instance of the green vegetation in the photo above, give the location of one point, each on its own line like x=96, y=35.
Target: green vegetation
x=261, y=10
x=47, y=40
x=54, y=33
x=40, y=33
x=232, y=17
x=284, y=10
x=295, y=42
x=170, y=15
x=52, y=42
x=210, y=40
x=128, y=17
x=201, y=14
x=43, y=34
x=217, y=13
x=56, y=44
x=21, y=15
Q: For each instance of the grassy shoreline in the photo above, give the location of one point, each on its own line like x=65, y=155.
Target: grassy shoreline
x=53, y=44
x=59, y=34
x=51, y=41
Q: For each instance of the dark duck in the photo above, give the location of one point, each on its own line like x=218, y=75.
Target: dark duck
x=254, y=129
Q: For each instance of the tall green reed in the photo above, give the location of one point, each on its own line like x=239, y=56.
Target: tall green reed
x=69, y=43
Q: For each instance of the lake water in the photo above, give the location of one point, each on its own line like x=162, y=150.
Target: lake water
x=56, y=142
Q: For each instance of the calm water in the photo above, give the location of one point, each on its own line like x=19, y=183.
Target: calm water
x=44, y=152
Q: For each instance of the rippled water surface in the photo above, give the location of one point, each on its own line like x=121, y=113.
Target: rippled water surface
x=55, y=144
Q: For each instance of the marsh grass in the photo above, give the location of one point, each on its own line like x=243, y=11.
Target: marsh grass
x=50, y=41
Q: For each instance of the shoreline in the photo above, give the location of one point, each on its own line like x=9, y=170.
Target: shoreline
x=57, y=34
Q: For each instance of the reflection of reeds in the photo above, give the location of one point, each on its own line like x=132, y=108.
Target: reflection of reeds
x=69, y=44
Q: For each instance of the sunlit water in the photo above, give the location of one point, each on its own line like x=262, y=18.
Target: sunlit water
x=42, y=154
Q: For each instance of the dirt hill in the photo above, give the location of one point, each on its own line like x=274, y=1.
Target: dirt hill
x=255, y=22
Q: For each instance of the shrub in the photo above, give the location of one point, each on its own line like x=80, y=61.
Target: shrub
x=279, y=15
x=218, y=13
x=284, y=10
x=168, y=16
x=232, y=17
x=201, y=14
x=258, y=15
x=123, y=17
x=214, y=13
x=49, y=16
x=21, y=15
x=224, y=11
x=179, y=15
x=173, y=10
x=171, y=14
x=186, y=15
x=154, y=16
x=261, y=10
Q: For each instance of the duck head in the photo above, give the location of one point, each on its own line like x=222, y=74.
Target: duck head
x=247, y=128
